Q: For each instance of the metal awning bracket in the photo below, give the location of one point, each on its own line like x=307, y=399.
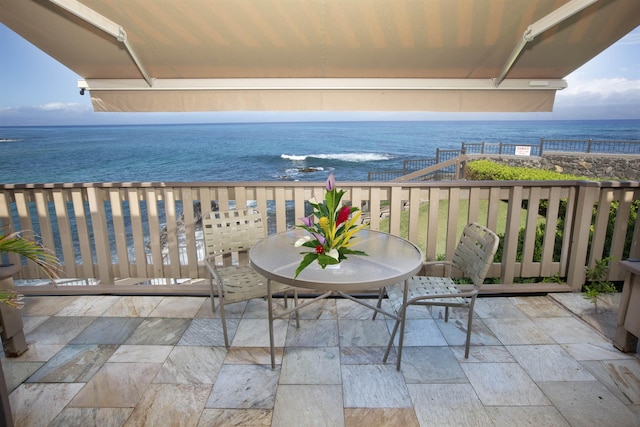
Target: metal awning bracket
x=559, y=15
x=108, y=26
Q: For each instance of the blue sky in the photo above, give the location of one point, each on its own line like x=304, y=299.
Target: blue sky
x=37, y=90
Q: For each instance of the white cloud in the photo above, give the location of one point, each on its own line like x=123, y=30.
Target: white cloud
x=605, y=91
x=71, y=107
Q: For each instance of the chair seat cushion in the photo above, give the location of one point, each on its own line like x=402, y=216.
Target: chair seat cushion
x=242, y=282
x=424, y=286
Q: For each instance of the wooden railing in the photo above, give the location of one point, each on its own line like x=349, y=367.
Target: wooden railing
x=114, y=231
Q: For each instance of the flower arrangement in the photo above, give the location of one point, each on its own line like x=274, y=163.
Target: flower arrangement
x=332, y=233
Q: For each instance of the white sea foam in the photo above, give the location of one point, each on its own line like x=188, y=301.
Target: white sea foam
x=345, y=157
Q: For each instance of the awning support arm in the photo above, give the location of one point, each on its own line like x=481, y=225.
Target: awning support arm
x=554, y=18
x=99, y=21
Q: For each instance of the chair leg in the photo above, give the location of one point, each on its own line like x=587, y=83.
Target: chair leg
x=469, y=324
x=446, y=314
x=380, y=296
x=224, y=322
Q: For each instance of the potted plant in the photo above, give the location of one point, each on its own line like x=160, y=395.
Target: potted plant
x=13, y=339
x=11, y=301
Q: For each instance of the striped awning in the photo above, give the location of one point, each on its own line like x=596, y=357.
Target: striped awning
x=322, y=55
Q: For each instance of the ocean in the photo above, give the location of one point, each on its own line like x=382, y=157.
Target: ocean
x=260, y=151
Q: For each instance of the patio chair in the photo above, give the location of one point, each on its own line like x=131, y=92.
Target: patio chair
x=228, y=236
x=473, y=257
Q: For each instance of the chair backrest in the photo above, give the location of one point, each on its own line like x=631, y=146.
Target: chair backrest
x=475, y=251
x=232, y=232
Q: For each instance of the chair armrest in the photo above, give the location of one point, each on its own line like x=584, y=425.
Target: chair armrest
x=448, y=267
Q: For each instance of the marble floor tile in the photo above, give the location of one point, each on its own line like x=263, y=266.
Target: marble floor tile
x=348, y=309
x=420, y=332
x=363, y=333
x=526, y=416
x=448, y=405
x=37, y=352
x=141, y=353
x=374, y=386
x=231, y=311
x=588, y=404
x=108, y=330
x=45, y=306
x=103, y=417
x=313, y=333
x=257, y=308
x=626, y=375
x=15, y=373
x=116, y=385
x=324, y=309
x=380, y=417
x=88, y=306
x=50, y=399
x=253, y=355
x=133, y=306
x=59, y=330
x=191, y=365
x=202, y=332
x=255, y=333
x=311, y=365
x=431, y=365
x=497, y=308
x=205, y=311
x=308, y=405
x=549, y=363
x=455, y=332
x=569, y=330
x=235, y=417
x=366, y=355
x=170, y=405
x=244, y=386
x=178, y=307
x=159, y=331
x=602, y=374
x=74, y=364
x=483, y=354
x=503, y=384
x=541, y=306
x=518, y=331
x=594, y=351
x=29, y=323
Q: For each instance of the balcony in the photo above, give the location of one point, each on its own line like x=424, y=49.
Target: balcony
x=127, y=335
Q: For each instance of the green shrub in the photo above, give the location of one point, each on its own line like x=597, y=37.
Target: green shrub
x=486, y=170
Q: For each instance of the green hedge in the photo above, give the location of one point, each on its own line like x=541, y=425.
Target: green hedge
x=486, y=170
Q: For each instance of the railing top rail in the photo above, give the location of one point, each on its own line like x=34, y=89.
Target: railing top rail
x=307, y=184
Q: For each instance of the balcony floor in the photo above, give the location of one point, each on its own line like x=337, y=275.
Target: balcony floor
x=112, y=361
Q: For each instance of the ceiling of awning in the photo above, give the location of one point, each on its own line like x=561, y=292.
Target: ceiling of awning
x=322, y=55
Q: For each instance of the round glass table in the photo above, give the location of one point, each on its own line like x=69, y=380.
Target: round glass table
x=390, y=259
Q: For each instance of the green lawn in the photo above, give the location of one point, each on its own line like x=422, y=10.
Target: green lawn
x=463, y=210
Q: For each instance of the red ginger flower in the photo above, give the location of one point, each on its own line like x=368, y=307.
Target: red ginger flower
x=343, y=215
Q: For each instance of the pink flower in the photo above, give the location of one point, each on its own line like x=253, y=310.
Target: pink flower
x=331, y=182
x=343, y=215
x=320, y=238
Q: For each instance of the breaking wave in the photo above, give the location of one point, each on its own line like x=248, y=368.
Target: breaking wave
x=345, y=157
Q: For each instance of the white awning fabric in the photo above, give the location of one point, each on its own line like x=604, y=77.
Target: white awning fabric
x=322, y=55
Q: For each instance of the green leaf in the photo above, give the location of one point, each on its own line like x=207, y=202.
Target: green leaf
x=308, y=259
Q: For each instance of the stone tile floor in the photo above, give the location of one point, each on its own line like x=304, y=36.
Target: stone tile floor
x=161, y=361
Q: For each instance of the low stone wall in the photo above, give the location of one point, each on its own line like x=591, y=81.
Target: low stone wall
x=613, y=166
